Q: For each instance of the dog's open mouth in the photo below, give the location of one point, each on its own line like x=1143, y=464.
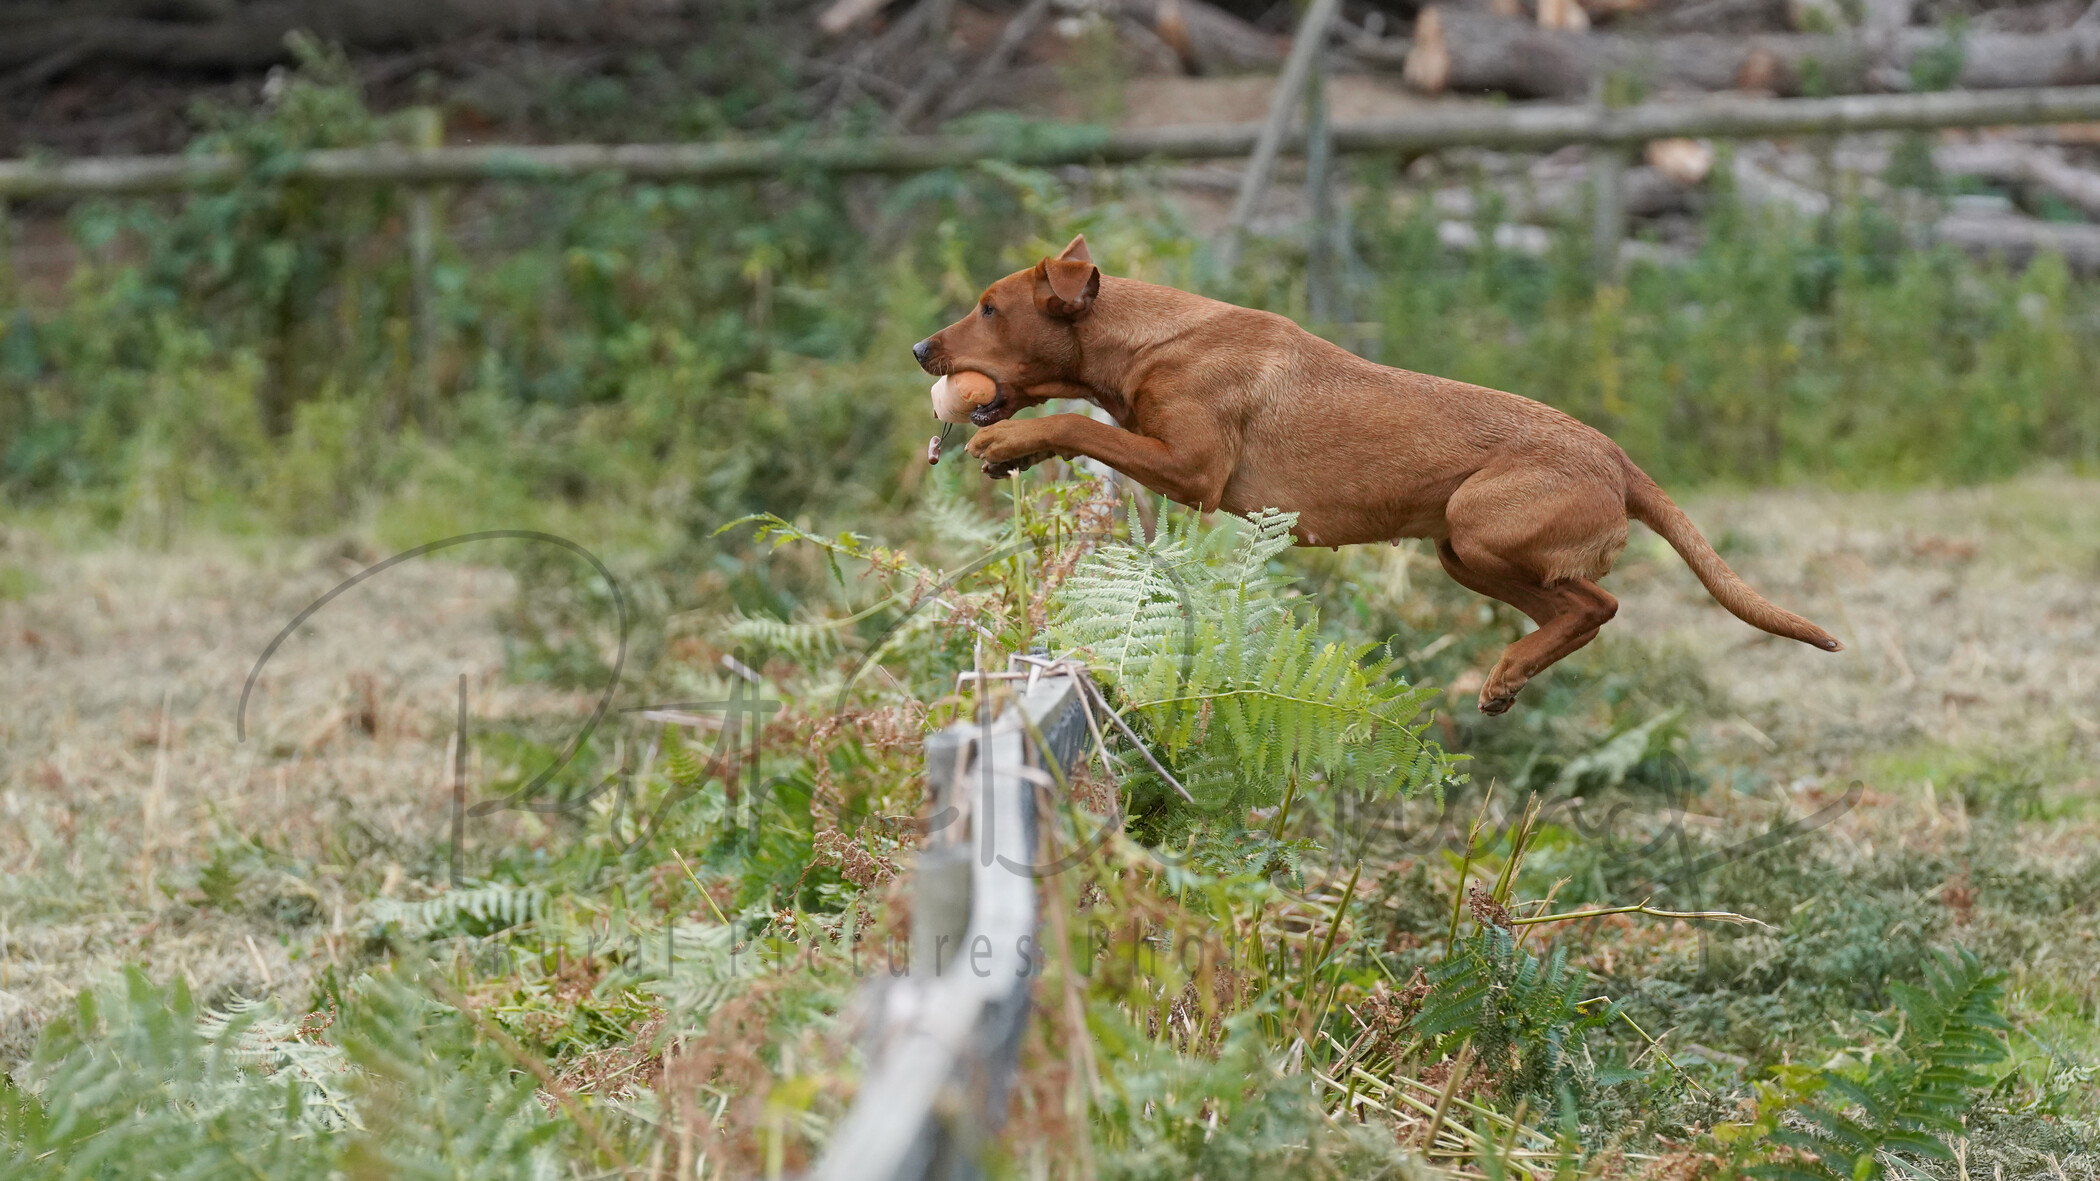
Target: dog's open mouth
x=1002, y=406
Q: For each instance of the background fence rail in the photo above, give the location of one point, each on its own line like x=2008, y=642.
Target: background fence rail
x=1047, y=145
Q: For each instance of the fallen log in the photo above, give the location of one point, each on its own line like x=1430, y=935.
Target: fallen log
x=1553, y=190
x=2017, y=240
x=1717, y=16
x=252, y=36
x=1759, y=187
x=1208, y=39
x=2006, y=238
x=1474, y=52
x=2009, y=162
x=2020, y=164
x=844, y=14
x=1556, y=197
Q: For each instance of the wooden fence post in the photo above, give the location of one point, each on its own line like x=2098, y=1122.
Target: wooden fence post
x=1607, y=165
x=427, y=133
x=945, y=1039
x=1322, y=302
x=1306, y=46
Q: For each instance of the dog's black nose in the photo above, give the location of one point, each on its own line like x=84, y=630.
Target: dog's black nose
x=922, y=350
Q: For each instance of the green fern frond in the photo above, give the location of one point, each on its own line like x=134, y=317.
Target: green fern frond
x=1204, y=643
x=804, y=641
x=263, y=1040
x=475, y=910
x=707, y=968
x=1523, y=1015
x=440, y=1101
x=952, y=518
x=129, y=1086
x=1952, y=1028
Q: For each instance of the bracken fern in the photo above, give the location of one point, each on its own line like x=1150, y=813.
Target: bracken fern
x=472, y=910
x=1524, y=1016
x=1227, y=671
x=1950, y=1032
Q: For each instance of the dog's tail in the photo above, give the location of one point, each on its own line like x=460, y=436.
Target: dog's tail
x=1647, y=503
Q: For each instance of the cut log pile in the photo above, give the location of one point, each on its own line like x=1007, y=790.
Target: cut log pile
x=1534, y=194
x=1461, y=51
x=1524, y=48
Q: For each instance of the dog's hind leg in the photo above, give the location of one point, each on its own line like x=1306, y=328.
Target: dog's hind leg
x=1531, y=600
x=1568, y=616
x=1540, y=554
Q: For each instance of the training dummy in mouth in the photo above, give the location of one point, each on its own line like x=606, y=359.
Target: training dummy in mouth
x=954, y=397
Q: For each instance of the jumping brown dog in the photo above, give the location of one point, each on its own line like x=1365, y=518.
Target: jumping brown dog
x=1224, y=407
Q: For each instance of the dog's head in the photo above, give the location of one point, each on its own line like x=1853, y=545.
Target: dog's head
x=1023, y=331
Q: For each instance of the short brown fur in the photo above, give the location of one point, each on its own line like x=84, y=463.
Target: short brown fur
x=1224, y=407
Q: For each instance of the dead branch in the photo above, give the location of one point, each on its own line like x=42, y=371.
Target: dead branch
x=1011, y=38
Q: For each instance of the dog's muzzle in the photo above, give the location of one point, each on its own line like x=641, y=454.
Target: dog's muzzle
x=922, y=352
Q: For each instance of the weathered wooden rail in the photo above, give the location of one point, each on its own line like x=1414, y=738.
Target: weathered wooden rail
x=1615, y=132
x=944, y=1041
x=1542, y=126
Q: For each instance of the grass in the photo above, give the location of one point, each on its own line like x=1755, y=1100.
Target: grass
x=309, y=873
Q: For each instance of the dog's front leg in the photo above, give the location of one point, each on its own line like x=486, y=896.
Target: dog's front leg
x=1188, y=462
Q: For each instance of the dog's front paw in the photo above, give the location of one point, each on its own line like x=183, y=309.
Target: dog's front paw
x=1499, y=694
x=1014, y=445
x=1005, y=442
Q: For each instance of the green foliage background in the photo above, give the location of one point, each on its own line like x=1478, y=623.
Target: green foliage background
x=694, y=353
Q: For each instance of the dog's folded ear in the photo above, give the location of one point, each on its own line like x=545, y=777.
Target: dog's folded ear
x=1066, y=287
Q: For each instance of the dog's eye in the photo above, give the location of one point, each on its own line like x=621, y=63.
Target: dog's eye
x=988, y=309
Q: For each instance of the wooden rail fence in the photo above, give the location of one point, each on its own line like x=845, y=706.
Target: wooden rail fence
x=1537, y=127
x=1616, y=132
x=944, y=1041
